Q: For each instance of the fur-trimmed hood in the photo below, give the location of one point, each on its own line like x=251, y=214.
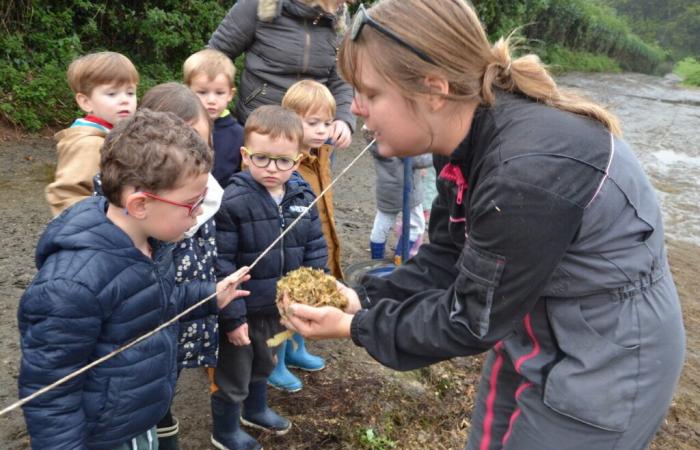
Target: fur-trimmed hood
x=268, y=10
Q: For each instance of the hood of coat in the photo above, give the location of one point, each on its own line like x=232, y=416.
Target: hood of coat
x=268, y=10
x=74, y=133
x=85, y=226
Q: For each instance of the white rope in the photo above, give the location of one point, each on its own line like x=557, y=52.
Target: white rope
x=70, y=376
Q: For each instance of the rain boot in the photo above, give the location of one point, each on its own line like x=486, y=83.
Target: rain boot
x=227, y=433
x=258, y=415
x=300, y=358
x=377, y=249
x=167, y=431
x=281, y=378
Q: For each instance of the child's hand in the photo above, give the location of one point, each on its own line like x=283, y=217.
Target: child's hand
x=227, y=289
x=239, y=336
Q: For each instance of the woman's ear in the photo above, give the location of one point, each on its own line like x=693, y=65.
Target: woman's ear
x=438, y=88
x=135, y=205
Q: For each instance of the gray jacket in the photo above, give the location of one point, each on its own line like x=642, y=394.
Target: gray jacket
x=284, y=41
x=389, y=186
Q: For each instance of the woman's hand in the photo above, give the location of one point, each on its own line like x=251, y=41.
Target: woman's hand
x=350, y=294
x=325, y=322
x=341, y=134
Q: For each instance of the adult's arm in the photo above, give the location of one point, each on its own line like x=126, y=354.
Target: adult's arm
x=59, y=323
x=236, y=32
x=519, y=232
x=343, y=94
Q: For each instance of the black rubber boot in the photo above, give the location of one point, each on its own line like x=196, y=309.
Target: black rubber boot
x=258, y=415
x=226, y=431
x=167, y=430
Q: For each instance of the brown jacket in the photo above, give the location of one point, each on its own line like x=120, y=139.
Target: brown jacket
x=78, y=151
x=315, y=169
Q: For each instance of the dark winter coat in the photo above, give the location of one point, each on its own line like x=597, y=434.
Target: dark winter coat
x=247, y=223
x=284, y=41
x=94, y=293
x=227, y=139
x=389, y=186
x=547, y=244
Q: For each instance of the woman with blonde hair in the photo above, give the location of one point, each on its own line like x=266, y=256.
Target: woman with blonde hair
x=546, y=239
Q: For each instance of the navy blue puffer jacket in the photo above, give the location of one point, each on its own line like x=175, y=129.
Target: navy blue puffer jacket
x=94, y=293
x=247, y=223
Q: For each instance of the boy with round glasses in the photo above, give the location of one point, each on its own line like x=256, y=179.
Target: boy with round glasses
x=257, y=206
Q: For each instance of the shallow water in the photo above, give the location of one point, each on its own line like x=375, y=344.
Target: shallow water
x=662, y=123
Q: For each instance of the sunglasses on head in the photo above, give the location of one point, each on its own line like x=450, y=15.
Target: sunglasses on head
x=363, y=18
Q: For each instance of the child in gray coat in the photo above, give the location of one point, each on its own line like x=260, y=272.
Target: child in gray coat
x=389, y=195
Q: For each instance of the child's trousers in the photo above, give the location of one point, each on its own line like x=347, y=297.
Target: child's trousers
x=238, y=366
x=383, y=223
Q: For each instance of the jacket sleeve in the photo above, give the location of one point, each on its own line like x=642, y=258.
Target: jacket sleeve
x=518, y=234
x=192, y=292
x=315, y=250
x=59, y=322
x=236, y=32
x=343, y=94
x=76, y=166
x=234, y=314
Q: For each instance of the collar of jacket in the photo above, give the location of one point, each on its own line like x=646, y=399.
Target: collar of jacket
x=269, y=10
x=293, y=187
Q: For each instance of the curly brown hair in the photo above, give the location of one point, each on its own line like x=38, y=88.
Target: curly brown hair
x=152, y=151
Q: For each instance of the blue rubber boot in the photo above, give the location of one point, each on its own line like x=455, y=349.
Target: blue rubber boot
x=281, y=378
x=258, y=415
x=300, y=358
x=227, y=433
x=377, y=249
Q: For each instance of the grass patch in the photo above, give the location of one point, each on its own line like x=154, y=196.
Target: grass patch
x=561, y=60
x=689, y=70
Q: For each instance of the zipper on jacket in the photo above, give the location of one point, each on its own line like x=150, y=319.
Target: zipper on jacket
x=307, y=47
x=282, y=225
x=255, y=93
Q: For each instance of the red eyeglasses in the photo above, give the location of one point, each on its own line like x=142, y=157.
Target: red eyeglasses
x=191, y=207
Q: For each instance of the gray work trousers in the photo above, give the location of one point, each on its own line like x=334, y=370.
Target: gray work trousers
x=596, y=372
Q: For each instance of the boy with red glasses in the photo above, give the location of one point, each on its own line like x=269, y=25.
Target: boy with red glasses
x=258, y=205
x=106, y=277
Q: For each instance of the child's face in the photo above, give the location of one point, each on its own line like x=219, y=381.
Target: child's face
x=214, y=94
x=317, y=129
x=259, y=146
x=167, y=214
x=109, y=102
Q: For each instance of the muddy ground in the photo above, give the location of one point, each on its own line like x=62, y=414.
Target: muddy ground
x=354, y=403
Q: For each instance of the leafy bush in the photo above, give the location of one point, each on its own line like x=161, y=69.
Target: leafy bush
x=689, y=70
x=38, y=39
x=562, y=59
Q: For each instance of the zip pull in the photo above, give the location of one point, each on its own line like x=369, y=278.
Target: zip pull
x=279, y=209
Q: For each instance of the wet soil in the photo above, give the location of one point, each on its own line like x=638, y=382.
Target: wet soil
x=423, y=409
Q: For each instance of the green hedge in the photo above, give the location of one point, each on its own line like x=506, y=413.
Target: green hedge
x=39, y=38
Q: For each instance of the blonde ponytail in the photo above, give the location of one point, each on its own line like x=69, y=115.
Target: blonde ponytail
x=452, y=35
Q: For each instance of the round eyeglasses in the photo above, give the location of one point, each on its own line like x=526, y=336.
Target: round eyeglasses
x=262, y=160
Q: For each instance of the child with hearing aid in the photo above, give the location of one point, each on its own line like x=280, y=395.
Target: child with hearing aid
x=106, y=277
x=104, y=85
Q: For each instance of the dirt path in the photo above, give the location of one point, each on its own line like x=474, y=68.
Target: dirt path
x=424, y=409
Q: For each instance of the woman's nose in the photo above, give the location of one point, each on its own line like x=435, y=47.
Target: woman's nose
x=357, y=107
